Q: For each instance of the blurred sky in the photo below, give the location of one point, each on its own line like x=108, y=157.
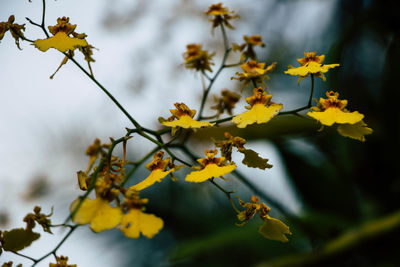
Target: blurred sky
x=47, y=124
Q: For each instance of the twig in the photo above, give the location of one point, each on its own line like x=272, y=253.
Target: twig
x=212, y=80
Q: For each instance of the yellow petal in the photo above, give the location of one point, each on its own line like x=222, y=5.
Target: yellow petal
x=210, y=171
x=155, y=176
x=355, y=131
x=311, y=67
x=85, y=212
x=98, y=213
x=259, y=113
x=186, y=122
x=335, y=115
x=274, y=229
x=136, y=222
x=61, y=41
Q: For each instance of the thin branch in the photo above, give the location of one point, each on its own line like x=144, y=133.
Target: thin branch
x=134, y=122
x=212, y=80
x=140, y=162
x=294, y=111
x=206, y=75
x=311, y=91
x=223, y=120
x=33, y=23
x=43, y=19
x=262, y=195
x=232, y=65
x=24, y=256
x=53, y=252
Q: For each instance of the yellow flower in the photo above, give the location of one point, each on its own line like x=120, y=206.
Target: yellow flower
x=62, y=262
x=273, y=229
x=14, y=28
x=97, y=212
x=210, y=167
x=310, y=64
x=333, y=110
x=261, y=109
x=196, y=58
x=158, y=171
x=221, y=15
x=136, y=221
x=254, y=71
x=184, y=117
x=61, y=39
x=247, y=48
x=355, y=131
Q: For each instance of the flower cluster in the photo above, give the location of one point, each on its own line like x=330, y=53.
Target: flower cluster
x=128, y=216
x=330, y=110
x=115, y=205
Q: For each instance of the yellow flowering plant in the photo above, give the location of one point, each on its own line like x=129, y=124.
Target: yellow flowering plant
x=310, y=64
x=111, y=199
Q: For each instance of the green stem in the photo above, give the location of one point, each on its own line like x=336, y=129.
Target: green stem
x=223, y=120
x=253, y=81
x=206, y=75
x=212, y=80
x=312, y=91
x=262, y=195
x=294, y=111
x=62, y=225
x=58, y=246
x=232, y=65
x=226, y=43
x=140, y=162
x=137, y=125
x=43, y=19
x=24, y=256
x=228, y=195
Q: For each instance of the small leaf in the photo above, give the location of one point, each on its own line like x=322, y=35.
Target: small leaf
x=17, y=239
x=253, y=160
x=274, y=229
